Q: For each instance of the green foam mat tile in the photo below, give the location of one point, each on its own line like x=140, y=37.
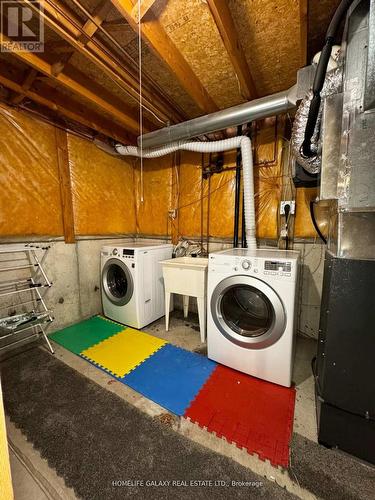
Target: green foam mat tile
x=81, y=336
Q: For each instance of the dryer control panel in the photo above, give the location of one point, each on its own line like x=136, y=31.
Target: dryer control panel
x=262, y=264
x=277, y=267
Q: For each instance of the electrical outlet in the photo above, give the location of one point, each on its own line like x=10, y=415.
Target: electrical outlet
x=292, y=205
x=172, y=213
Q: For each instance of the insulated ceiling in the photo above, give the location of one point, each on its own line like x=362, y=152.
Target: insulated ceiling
x=189, y=68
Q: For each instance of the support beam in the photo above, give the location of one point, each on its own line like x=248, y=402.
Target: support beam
x=63, y=106
x=98, y=17
x=65, y=185
x=225, y=24
x=89, y=28
x=303, y=20
x=77, y=83
x=158, y=40
x=66, y=24
x=139, y=13
x=31, y=74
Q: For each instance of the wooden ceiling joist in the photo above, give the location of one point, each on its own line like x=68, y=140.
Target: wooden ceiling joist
x=77, y=83
x=161, y=44
x=222, y=16
x=18, y=97
x=139, y=11
x=101, y=11
x=51, y=99
x=89, y=29
x=66, y=24
x=303, y=19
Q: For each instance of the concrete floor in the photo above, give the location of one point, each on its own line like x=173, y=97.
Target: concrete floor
x=35, y=480
x=25, y=486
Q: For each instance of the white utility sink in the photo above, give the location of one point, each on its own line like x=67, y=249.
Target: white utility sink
x=186, y=276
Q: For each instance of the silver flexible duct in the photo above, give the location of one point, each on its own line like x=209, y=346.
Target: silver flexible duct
x=331, y=86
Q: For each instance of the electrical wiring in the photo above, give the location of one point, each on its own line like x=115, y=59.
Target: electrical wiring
x=317, y=229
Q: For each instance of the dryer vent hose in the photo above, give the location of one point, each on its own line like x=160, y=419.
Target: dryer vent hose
x=242, y=142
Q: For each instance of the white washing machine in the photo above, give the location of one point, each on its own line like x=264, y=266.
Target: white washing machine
x=132, y=282
x=251, y=311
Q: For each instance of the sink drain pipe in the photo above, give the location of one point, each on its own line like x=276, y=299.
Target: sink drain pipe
x=242, y=142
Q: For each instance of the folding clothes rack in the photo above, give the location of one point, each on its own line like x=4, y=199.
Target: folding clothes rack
x=30, y=316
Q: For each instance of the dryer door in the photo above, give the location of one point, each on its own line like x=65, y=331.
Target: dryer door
x=117, y=282
x=248, y=312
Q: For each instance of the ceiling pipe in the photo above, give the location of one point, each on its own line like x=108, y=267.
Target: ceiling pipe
x=237, y=115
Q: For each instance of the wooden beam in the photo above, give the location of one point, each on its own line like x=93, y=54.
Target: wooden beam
x=158, y=40
x=59, y=46
x=100, y=13
x=115, y=23
x=65, y=185
x=303, y=21
x=31, y=74
x=89, y=29
x=63, y=106
x=139, y=13
x=222, y=16
x=65, y=23
x=77, y=83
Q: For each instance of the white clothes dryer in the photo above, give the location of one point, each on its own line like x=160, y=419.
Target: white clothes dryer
x=251, y=311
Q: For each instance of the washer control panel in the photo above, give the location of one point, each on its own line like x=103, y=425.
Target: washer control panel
x=125, y=253
x=246, y=264
x=128, y=253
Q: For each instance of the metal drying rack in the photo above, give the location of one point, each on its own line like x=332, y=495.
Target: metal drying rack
x=33, y=316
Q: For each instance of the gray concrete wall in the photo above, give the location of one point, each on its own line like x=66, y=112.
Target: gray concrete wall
x=74, y=270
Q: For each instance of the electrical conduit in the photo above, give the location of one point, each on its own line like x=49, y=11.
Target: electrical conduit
x=242, y=142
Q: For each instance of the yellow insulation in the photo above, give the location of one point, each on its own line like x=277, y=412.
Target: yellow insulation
x=29, y=188
x=153, y=192
x=118, y=196
x=102, y=187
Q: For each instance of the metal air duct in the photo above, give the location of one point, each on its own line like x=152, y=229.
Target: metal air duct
x=237, y=115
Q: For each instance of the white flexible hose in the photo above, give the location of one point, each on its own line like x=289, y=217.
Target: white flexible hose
x=214, y=147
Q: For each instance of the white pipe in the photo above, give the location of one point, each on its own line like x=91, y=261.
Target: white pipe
x=213, y=147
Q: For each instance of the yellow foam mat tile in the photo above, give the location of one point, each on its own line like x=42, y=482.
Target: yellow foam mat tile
x=122, y=352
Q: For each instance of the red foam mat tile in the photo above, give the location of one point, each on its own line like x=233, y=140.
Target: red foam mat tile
x=253, y=414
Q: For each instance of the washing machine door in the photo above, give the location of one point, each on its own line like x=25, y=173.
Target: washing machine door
x=117, y=282
x=248, y=312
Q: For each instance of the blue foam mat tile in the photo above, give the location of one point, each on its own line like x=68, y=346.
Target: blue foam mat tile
x=171, y=377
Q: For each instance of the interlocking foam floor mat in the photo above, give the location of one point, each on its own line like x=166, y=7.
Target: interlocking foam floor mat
x=78, y=337
x=253, y=414
x=171, y=377
x=122, y=352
